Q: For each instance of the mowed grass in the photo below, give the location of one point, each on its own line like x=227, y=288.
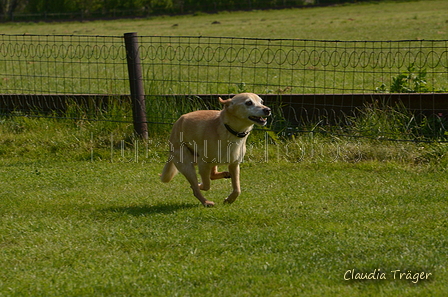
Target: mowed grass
x=112, y=229
x=393, y=20
x=83, y=212
x=197, y=65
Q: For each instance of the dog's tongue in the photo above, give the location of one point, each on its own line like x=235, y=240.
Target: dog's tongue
x=260, y=119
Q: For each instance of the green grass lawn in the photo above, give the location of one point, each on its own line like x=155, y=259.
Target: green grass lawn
x=88, y=57
x=112, y=229
x=392, y=20
x=84, y=214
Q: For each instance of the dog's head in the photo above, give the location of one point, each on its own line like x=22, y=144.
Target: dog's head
x=247, y=106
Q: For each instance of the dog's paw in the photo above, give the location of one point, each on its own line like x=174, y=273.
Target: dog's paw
x=228, y=201
x=203, y=188
x=208, y=203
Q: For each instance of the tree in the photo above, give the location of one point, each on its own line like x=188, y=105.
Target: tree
x=64, y=6
x=7, y=7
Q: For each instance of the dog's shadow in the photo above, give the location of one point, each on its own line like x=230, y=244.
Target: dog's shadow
x=144, y=210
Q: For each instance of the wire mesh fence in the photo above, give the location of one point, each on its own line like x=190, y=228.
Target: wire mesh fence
x=310, y=81
x=35, y=64
x=207, y=65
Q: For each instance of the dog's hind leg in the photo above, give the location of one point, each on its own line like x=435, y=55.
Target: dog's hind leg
x=186, y=167
x=234, y=170
x=217, y=175
x=204, y=172
x=190, y=175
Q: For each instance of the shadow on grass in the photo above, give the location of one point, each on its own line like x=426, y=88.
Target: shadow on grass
x=152, y=209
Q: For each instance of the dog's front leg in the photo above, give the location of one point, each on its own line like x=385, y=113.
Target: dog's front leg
x=234, y=170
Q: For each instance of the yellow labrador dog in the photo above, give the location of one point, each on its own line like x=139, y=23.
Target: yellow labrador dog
x=210, y=138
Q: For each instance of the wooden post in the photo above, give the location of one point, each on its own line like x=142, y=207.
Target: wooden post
x=136, y=85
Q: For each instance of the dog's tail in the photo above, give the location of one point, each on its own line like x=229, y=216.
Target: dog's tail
x=169, y=171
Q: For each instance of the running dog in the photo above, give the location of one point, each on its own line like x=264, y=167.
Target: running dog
x=208, y=138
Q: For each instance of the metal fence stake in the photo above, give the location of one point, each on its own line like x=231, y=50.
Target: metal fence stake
x=136, y=84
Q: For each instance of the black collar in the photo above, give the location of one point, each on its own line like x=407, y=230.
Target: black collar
x=237, y=134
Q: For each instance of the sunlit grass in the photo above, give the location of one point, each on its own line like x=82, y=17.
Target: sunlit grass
x=95, y=64
x=392, y=20
x=100, y=228
x=84, y=213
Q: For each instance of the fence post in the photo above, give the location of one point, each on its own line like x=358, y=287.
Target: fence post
x=136, y=84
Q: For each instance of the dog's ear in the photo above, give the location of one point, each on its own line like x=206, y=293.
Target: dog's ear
x=225, y=102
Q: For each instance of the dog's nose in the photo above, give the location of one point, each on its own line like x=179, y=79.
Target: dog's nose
x=267, y=111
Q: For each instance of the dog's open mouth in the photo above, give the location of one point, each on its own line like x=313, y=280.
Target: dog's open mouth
x=259, y=120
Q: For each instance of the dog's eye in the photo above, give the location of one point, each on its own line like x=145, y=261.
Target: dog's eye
x=249, y=103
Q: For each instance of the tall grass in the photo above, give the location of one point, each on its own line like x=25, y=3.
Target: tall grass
x=382, y=121
x=372, y=138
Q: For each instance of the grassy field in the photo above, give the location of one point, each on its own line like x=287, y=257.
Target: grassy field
x=394, y=20
x=83, y=212
x=192, y=65
x=111, y=229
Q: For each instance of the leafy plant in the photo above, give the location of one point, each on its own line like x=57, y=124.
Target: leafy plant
x=434, y=126
x=411, y=81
